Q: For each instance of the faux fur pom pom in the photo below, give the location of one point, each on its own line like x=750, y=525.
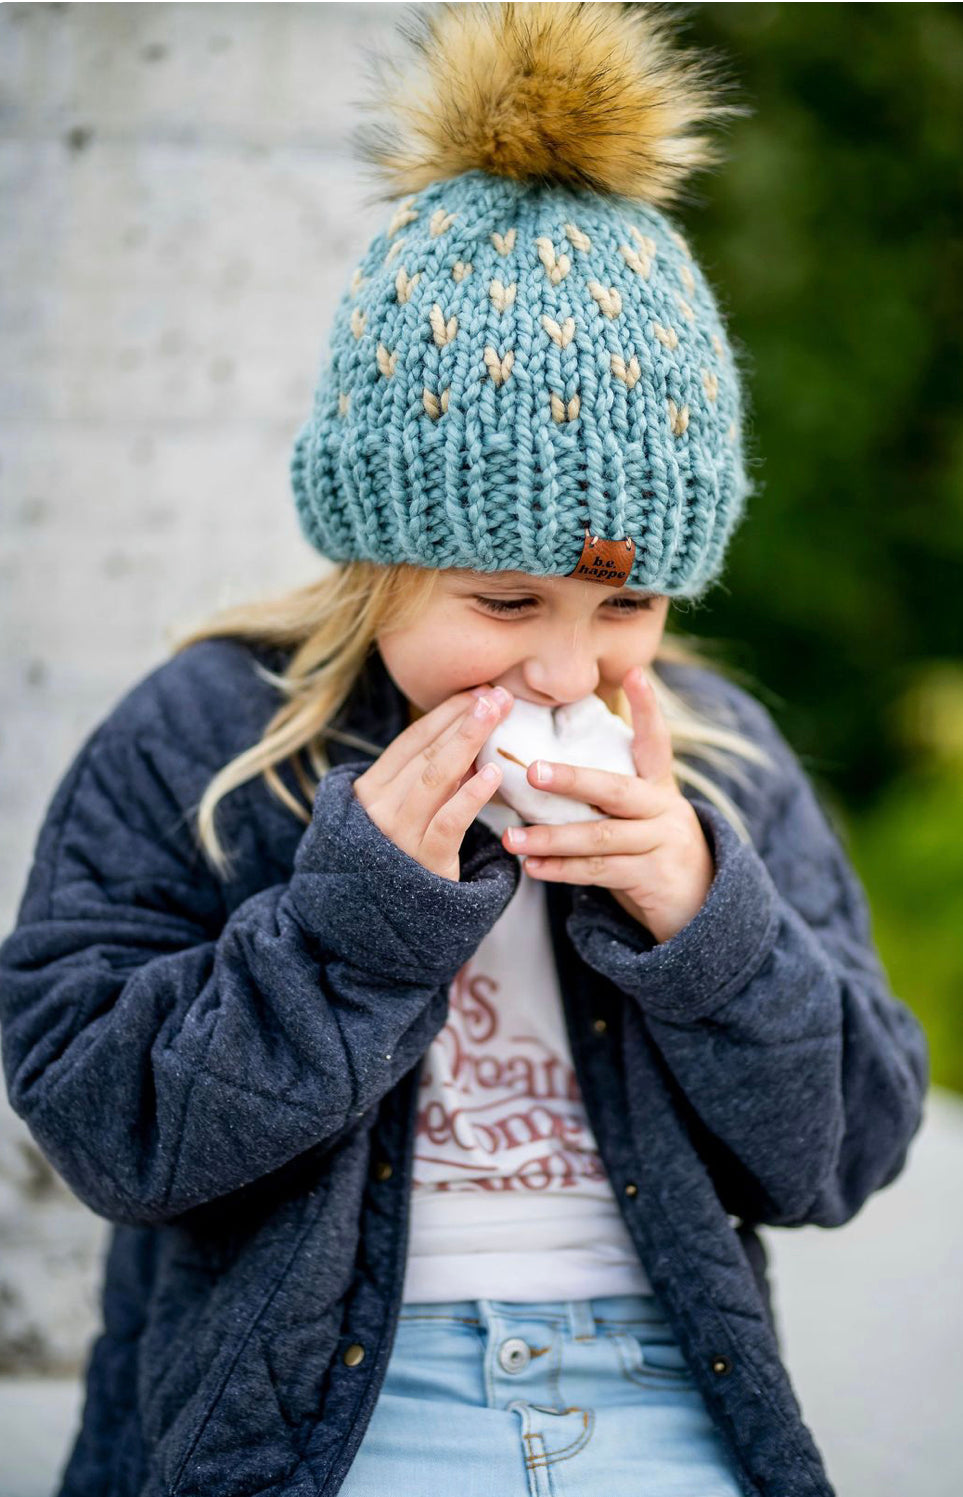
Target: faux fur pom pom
x=590, y=95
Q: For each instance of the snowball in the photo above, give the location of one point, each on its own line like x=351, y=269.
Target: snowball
x=583, y=732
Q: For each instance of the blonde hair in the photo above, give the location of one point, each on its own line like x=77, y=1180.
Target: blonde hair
x=330, y=626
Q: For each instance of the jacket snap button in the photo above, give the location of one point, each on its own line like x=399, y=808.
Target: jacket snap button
x=631, y=1189
x=382, y=1170
x=721, y=1365
x=600, y=1026
x=354, y=1354
x=514, y=1354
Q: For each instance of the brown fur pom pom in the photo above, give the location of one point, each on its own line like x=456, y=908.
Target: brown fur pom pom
x=590, y=95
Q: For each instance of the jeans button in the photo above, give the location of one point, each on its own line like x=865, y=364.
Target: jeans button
x=514, y=1354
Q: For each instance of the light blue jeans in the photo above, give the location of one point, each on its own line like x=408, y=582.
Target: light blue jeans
x=555, y=1398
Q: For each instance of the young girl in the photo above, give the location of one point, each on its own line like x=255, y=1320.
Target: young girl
x=435, y=1145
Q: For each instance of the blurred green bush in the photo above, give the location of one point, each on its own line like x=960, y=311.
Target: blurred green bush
x=834, y=239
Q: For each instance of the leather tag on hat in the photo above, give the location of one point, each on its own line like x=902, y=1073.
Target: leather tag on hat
x=608, y=562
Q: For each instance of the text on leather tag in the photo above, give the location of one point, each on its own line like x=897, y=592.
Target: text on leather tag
x=609, y=562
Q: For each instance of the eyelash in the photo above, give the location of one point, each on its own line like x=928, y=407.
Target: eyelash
x=517, y=605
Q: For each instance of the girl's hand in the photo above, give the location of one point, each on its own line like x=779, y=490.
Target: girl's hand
x=653, y=858
x=422, y=791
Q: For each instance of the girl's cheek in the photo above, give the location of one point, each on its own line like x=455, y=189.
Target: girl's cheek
x=474, y=660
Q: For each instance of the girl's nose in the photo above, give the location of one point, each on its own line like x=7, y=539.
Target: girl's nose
x=566, y=677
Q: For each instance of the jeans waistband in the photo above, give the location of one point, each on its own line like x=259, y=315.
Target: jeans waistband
x=583, y=1316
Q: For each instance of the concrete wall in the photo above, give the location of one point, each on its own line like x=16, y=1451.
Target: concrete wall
x=180, y=215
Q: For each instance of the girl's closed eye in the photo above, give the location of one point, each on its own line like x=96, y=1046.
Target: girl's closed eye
x=627, y=604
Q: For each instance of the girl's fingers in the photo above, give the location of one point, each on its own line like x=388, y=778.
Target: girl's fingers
x=627, y=796
x=433, y=775
x=449, y=824
x=414, y=739
x=591, y=840
x=611, y=873
x=427, y=802
x=652, y=743
x=448, y=733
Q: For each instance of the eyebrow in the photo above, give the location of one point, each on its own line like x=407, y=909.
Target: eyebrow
x=501, y=578
x=504, y=581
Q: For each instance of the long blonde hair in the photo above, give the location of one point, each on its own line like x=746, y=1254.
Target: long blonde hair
x=330, y=626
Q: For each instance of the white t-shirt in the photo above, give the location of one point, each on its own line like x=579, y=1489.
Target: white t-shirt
x=510, y=1199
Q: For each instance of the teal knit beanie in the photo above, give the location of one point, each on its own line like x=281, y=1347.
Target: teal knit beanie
x=528, y=371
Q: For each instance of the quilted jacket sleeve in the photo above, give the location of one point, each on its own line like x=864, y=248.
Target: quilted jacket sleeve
x=773, y=1012
x=160, y=1063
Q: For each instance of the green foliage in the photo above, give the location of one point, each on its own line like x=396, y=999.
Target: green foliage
x=910, y=855
x=834, y=240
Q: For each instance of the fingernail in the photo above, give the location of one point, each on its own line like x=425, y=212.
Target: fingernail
x=515, y=836
x=502, y=695
x=482, y=707
x=543, y=772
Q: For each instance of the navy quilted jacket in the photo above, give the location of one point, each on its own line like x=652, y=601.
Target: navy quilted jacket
x=226, y=1071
